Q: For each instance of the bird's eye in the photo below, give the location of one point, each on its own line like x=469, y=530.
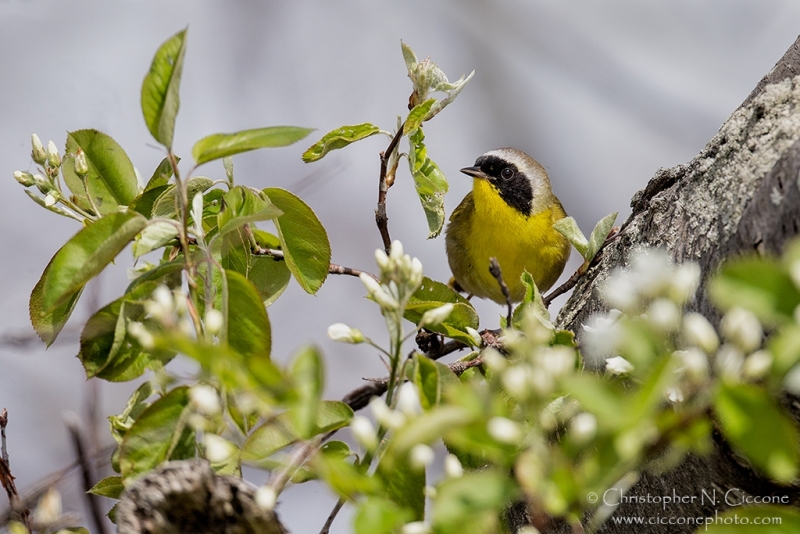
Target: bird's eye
x=507, y=173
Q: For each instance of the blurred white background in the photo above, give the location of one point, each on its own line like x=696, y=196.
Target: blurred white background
x=602, y=93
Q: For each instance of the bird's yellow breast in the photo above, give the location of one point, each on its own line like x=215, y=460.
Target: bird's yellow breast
x=485, y=226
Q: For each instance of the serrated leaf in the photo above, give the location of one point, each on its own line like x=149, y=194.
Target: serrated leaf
x=747, y=414
x=761, y=285
x=339, y=138
x=248, y=325
x=155, y=235
x=432, y=294
x=111, y=180
x=82, y=258
x=144, y=202
x=160, y=89
x=279, y=432
x=111, y=487
x=242, y=206
x=417, y=116
x=426, y=378
x=162, y=174
x=220, y=145
x=569, y=229
x=429, y=181
x=160, y=433
x=304, y=241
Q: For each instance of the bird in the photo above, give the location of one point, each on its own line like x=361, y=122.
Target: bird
x=508, y=215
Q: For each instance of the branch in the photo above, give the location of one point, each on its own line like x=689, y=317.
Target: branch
x=74, y=427
x=494, y=270
x=333, y=268
x=384, y=183
x=7, y=479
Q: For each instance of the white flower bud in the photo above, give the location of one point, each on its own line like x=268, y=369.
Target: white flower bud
x=266, y=498
x=584, y=427
x=385, y=415
x=161, y=305
x=81, y=165
x=684, y=282
x=674, y=395
x=408, y=400
x=694, y=362
x=38, y=153
x=452, y=466
x=415, y=274
x=50, y=200
x=142, y=335
x=729, y=361
x=743, y=328
x=476, y=336
x=494, y=360
x=214, y=321
x=377, y=292
x=364, y=432
x=528, y=529
x=416, y=527
x=618, y=366
x=396, y=252
x=205, y=399
x=698, y=332
x=602, y=335
x=504, y=430
x=217, y=449
x=420, y=456
x=558, y=361
x=25, y=178
x=382, y=260
x=791, y=382
x=757, y=365
x=516, y=381
x=436, y=316
x=52, y=155
x=620, y=293
x=197, y=214
x=345, y=334
x=664, y=314
x=49, y=509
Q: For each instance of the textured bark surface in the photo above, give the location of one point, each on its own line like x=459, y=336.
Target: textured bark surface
x=186, y=496
x=741, y=194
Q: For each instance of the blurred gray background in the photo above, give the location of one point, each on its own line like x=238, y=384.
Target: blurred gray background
x=602, y=93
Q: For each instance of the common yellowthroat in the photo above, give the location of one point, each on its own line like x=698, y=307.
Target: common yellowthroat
x=509, y=215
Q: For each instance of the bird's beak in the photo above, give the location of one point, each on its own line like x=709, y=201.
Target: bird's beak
x=475, y=172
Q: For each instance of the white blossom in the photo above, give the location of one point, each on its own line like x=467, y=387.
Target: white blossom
x=694, y=362
x=52, y=155
x=664, y=314
x=385, y=415
x=757, y=365
x=408, y=400
x=205, y=399
x=214, y=321
x=504, y=430
x=364, y=432
x=729, y=361
x=791, y=382
x=50, y=200
x=674, y=395
x=266, y=497
x=452, y=466
x=217, y=449
x=416, y=527
x=345, y=334
x=38, y=153
x=743, y=328
x=584, y=427
x=420, y=455
x=618, y=366
x=142, y=335
x=436, y=316
x=698, y=332
x=684, y=282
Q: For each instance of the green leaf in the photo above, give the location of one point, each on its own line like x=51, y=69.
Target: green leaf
x=248, y=325
x=111, y=487
x=764, y=519
x=417, y=116
x=111, y=180
x=160, y=433
x=601, y=398
x=747, y=414
x=162, y=174
x=137, y=403
x=155, y=235
x=144, y=202
x=432, y=294
x=168, y=273
x=569, y=229
x=760, y=285
x=426, y=378
x=599, y=235
x=473, y=503
x=242, y=206
x=82, y=258
x=404, y=484
x=164, y=206
x=48, y=324
x=532, y=303
x=429, y=181
x=280, y=432
x=308, y=376
x=304, y=241
x=220, y=145
x=269, y=275
x=160, y=89
x=339, y=138
x=378, y=515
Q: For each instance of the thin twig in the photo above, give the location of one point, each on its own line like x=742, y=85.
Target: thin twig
x=333, y=268
x=494, y=269
x=326, y=528
x=381, y=219
x=570, y=283
x=7, y=479
x=73, y=425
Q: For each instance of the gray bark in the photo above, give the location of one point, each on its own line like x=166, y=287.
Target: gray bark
x=740, y=195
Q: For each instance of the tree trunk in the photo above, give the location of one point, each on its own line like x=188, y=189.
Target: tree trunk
x=740, y=195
